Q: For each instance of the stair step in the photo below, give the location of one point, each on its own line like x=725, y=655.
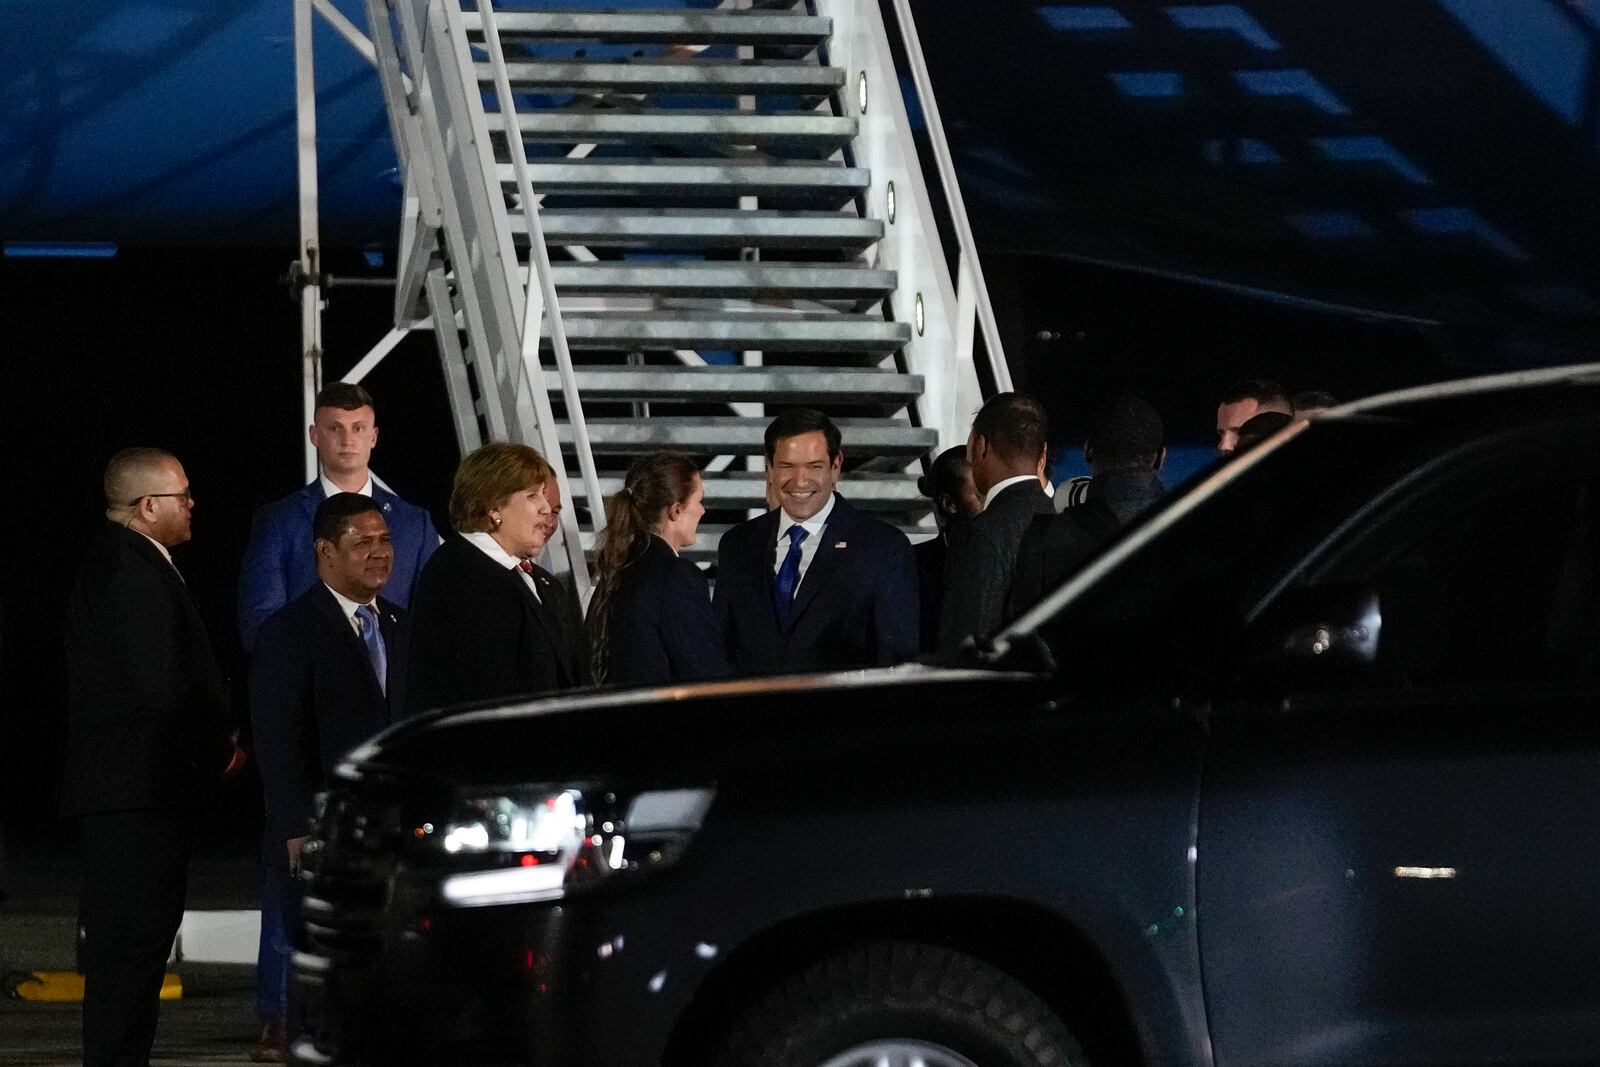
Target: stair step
x=694, y=278
x=680, y=76
x=731, y=435
x=704, y=228
x=671, y=26
x=758, y=331
x=786, y=385
x=748, y=489
x=806, y=129
x=830, y=182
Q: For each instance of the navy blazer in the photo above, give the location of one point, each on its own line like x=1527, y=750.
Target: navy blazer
x=478, y=633
x=856, y=605
x=662, y=626
x=280, y=561
x=314, y=696
x=147, y=704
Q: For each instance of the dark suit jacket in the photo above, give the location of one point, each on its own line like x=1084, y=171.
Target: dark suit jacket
x=280, y=562
x=856, y=605
x=978, y=572
x=931, y=557
x=314, y=697
x=147, y=705
x=662, y=627
x=1055, y=546
x=563, y=604
x=477, y=633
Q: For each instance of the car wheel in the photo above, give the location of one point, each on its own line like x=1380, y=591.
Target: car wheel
x=900, y=1004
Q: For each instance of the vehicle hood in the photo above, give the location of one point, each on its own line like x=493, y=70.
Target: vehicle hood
x=699, y=726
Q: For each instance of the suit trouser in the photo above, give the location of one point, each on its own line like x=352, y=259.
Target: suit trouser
x=278, y=892
x=136, y=868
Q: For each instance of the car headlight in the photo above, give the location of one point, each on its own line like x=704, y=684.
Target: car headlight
x=527, y=845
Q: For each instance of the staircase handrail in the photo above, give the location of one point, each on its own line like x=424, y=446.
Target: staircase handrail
x=540, y=279
x=944, y=162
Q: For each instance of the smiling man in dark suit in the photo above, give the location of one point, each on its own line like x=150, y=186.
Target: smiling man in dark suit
x=813, y=584
x=147, y=740
x=278, y=562
x=328, y=673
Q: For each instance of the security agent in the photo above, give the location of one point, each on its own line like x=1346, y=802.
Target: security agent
x=1006, y=448
x=278, y=562
x=148, y=739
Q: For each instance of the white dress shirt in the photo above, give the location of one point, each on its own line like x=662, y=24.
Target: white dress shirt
x=808, y=547
x=348, y=606
x=491, y=548
x=999, y=487
x=329, y=489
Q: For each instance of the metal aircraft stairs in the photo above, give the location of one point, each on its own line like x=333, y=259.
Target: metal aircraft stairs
x=711, y=240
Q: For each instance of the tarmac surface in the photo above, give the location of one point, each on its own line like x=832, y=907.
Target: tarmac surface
x=213, y=1023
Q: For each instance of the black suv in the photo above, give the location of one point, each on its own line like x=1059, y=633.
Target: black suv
x=1304, y=769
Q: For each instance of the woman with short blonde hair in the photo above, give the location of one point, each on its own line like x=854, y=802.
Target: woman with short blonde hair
x=487, y=622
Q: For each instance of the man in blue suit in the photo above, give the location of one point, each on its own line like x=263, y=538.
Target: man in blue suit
x=279, y=563
x=814, y=584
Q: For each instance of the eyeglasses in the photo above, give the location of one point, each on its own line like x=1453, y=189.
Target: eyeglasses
x=186, y=495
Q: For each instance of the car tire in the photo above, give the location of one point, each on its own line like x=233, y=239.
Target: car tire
x=892, y=1000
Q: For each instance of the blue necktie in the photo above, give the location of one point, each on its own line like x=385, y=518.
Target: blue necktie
x=789, y=574
x=367, y=619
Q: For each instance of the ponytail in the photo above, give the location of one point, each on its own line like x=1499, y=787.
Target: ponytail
x=653, y=484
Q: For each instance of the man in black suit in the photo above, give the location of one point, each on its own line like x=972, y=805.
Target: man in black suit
x=329, y=672
x=565, y=604
x=1125, y=448
x=1006, y=448
x=148, y=737
x=813, y=584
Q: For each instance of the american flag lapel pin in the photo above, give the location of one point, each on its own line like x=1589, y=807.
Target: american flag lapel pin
x=839, y=544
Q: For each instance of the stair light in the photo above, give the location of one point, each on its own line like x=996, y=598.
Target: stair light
x=919, y=316
x=861, y=91
x=888, y=202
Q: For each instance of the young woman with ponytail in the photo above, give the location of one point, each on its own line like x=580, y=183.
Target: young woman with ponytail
x=650, y=621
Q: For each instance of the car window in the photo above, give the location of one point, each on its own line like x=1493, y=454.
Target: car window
x=1486, y=575
x=1166, y=609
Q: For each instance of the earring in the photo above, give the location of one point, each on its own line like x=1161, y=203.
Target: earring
x=496, y=520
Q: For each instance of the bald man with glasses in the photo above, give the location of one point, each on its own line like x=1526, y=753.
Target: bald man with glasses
x=148, y=737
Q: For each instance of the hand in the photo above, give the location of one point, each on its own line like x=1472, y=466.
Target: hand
x=295, y=845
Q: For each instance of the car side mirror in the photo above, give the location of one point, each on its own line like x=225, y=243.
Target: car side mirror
x=1325, y=630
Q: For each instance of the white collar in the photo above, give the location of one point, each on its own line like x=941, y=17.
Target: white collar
x=491, y=548
x=346, y=603
x=813, y=525
x=329, y=489
x=999, y=487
